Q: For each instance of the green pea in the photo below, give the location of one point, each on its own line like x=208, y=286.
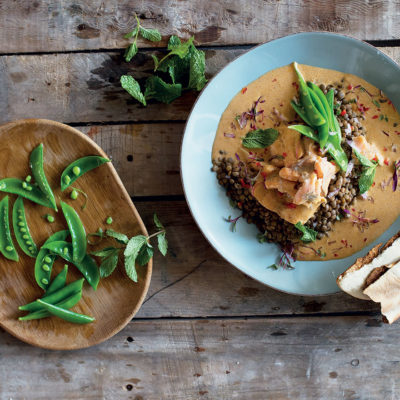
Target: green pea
x=28, y=242
x=29, y=188
x=22, y=230
x=45, y=267
x=28, y=178
x=67, y=179
x=25, y=237
x=109, y=221
x=9, y=248
x=76, y=171
x=47, y=259
x=65, y=251
x=50, y=218
x=30, y=248
x=24, y=185
x=74, y=195
x=21, y=217
x=20, y=211
x=3, y=186
x=45, y=281
x=21, y=223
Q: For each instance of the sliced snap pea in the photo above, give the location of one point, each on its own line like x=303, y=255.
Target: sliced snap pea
x=67, y=304
x=55, y=297
x=312, y=113
x=58, y=282
x=36, y=164
x=77, y=231
x=80, y=167
x=300, y=112
x=87, y=266
x=45, y=260
x=328, y=112
x=24, y=189
x=21, y=229
x=305, y=130
x=7, y=247
x=66, y=315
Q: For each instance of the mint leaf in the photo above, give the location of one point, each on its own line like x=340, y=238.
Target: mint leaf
x=260, y=138
x=177, y=68
x=145, y=255
x=156, y=62
x=130, y=52
x=150, y=34
x=130, y=267
x=134, y=245
x=309, y=235
x=133, y=88
x=162, y=243
x=109, y=264
x=107, y=251
x=157, y=89
x=366, y=179
x=131, y=34
x=363, y=160
x=119, y=237
x=157, y=222
x=180, y=50
x=173, y=42
x=197, y=78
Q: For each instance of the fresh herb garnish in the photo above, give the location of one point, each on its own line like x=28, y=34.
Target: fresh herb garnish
x=183, y=68
x=137, y=249
x=309, y=235
x=367, y=176
x=376, y=104
x=395, y=175
x=149, y=34
x=260, y=138
x=233, y=222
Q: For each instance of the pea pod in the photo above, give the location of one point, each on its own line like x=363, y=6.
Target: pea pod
x=36, y=164
x=55, y=297
x=300, y=111
x=45, y=260
x=80, y=167
x=67, y=304
x=58, y=282
x=24, y=189
x=313, y=115
x=87, y=266
x=321, y=96
x=77, y=231
x=7, y=247
x=66, y=315
x=306, y=131
x=21, y=229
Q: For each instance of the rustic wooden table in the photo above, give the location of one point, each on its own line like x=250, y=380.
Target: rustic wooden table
x=205, y=331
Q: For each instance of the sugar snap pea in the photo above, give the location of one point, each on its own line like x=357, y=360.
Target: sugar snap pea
x=87, y=266
x=7, y=247
x=45, y=260
x=67, y=304
x=58, y=282
x=80, y=167
x=36, y=164
x=21, y=229
x=24, y=189
x=66, y=315
x=55, y=297
x=313, y=115
x=77, y=231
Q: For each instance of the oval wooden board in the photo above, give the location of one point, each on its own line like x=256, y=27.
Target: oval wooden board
x=117, y=298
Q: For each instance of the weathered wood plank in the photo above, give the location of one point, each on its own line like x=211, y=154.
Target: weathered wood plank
x=295, y=359
x=85, y=87
x=45, y=25
x=194, y=281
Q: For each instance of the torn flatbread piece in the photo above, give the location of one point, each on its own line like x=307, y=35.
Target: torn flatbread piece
x=386, y=290
x=353, y=280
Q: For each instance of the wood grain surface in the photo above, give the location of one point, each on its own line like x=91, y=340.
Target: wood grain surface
x=84, y=87
x=46, y=25
x=107, y=196
x=270, y=359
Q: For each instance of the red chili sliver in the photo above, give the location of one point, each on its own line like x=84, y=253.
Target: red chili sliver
x=244, y=90
x=343, y=113
x=349, y=87
x=386, y=162
x=375, y=117
x=284, y=154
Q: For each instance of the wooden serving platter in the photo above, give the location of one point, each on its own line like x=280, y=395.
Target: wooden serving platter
x=117, y=298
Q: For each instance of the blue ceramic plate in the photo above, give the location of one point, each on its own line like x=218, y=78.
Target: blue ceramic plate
x=207, y=200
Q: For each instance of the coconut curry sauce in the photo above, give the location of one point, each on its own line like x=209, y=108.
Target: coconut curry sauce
x=274, y=90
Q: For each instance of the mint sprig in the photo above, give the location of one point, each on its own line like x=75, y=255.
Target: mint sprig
x=136, y=249
x=260, y=138
x=309, y=235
